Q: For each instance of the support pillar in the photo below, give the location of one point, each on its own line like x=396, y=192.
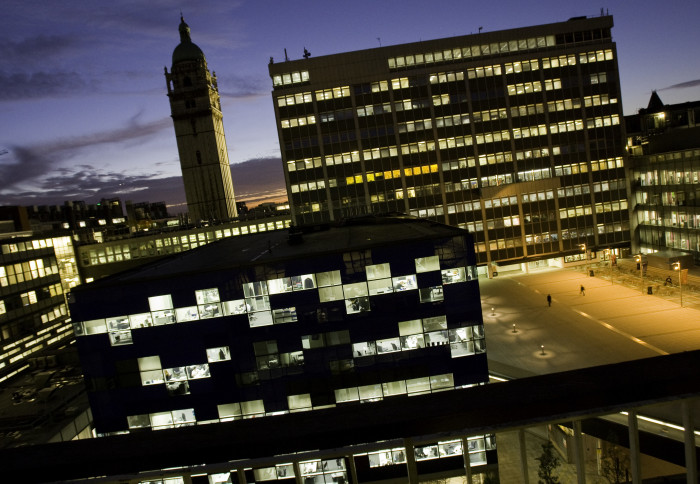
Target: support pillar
x=578, y=453
x=240, y=475
x=411, y=461
x=523, y=456
x=297, y=473
x=352, y=470
x=635, y=457
x=691, y=462
x=467, y=461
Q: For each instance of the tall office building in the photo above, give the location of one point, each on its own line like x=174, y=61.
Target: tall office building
x=514, y=135
x=199, y=129
x=376, y=309
x=664, y=147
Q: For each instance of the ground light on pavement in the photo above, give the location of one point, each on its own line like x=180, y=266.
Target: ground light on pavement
x=611, y=323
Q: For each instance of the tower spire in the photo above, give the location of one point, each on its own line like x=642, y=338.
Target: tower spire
x=184, y=30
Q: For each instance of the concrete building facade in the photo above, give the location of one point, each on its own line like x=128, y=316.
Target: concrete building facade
x=514, y=135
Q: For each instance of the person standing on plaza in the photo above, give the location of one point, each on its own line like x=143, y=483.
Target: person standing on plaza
x=583, y=290
x=549, y=300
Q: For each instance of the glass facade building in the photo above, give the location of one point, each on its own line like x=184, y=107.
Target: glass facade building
x=260, y=325
x=36, y=273
x=514, y=135
x=664, y=147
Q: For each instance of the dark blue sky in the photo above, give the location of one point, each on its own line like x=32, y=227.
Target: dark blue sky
x=83, y=105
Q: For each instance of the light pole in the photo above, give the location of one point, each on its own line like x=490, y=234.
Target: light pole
x=583, y=248
x=638, y=258
x=677, y=267
x=608, y=252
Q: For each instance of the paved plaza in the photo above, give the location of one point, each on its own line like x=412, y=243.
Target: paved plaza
x=611, y=323
x=614, y=321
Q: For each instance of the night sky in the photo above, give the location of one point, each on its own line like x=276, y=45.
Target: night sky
x=83, y=107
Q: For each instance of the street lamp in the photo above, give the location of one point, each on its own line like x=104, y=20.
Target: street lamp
x=638, y=258
x=608, y=252
x=583, y=248
x=677, y=267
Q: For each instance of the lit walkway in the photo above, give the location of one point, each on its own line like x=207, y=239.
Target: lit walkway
x=611, y=323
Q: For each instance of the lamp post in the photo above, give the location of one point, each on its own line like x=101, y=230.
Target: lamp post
x=608, y=252
x=638, y=258
x=677, y=267
x=583, y=248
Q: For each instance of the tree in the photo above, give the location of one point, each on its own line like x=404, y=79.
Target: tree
x=615, y=465
x=548, y=464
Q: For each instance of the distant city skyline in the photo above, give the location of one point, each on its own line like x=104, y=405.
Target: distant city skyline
x=83, y=106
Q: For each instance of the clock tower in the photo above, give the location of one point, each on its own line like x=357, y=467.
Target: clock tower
x=199, y=130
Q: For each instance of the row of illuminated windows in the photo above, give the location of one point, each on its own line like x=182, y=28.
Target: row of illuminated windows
x=461, y=141
x=427, y=212
x=614, y=206
x=388, y=175
x=25, y=246
x=535, y=174
x=485, y=71
x=163, y=420
x=379, y=391
x=573, y=190
x=676, y=155
x=604, y=186
x=522, y=66
x=410, y=104
x=456, y=54
x=292, y=99
x=607, y=164
x=535, y=86
x=462, y=341
x=575, y=211
x=411, y=126
x=27, y=271
x=538, y=196
x=670, y=177
x=290, y=78
x=541, y=238
x=300, y=121
x=373, y=109
x=307, y=186
x=334, y=93
x=476, y=449
x=496, y=180
x=304, y=164
x=56, y=312
x=536, y=153
x=98, y=254
x=571, y=169
x=328, y=284
x=312, y=472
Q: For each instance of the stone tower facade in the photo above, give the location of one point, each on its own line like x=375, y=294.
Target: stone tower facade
x=199, y=129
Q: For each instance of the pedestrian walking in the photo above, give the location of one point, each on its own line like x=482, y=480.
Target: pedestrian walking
x=583, y=290
x=549, y=300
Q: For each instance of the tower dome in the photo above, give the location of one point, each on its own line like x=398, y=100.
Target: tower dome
x=186, y=50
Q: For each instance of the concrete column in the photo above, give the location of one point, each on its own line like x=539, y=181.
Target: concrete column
x=467, y=461
x=351, y=469
x=297, y=473
x=578, y=454
x=691, y=463
x=240, y=475
x=635, y=458
x=523, y=456
x=411, y=461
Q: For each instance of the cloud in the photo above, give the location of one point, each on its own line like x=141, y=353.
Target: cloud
x=33, y=163
x=255, y=181
x=682, y=85
x=38, y=50
x=42, y=84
